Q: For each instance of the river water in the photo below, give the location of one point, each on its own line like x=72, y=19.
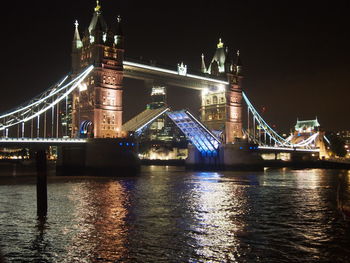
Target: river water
x=168, y=214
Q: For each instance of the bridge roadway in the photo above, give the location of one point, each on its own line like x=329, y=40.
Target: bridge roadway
x=164, y=76
x=35, y=142
x=30, y=142
x=270, y=149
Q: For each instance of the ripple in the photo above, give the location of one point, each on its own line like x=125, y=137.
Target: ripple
x=170, y=215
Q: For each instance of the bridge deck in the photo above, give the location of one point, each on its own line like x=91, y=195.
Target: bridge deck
x=27, y=142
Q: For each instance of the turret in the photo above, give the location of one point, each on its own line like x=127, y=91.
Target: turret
x=203, y=66
x=228, y=61
x=238, y=64
x=77, y=44
x=118, y=33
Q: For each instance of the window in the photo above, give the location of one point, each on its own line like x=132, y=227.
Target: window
x=215, y=100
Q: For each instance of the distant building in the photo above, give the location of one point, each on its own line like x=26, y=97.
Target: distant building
x=304, y=130
x=345, y=136
x=307, y=126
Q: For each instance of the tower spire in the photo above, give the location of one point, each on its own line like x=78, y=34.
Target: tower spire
x=77, y=43
x=98, y=7
x=203, y=66
x=220, y=44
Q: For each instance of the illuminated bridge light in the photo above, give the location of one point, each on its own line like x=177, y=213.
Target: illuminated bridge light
x=173, y=72
x=41, y=140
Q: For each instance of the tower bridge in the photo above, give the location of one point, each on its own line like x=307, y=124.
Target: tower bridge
x=88, y=103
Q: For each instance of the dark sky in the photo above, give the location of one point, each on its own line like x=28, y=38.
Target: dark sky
x=295, y=54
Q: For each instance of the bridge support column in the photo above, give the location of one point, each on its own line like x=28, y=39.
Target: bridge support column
x=99, y=156
x=41, y=183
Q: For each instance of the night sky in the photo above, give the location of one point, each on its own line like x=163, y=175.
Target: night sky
x=296, y=55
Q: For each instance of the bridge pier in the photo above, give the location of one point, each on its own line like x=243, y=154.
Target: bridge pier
x=41, y=183
x=196, y=161
x=238, y=156
x=102, y=156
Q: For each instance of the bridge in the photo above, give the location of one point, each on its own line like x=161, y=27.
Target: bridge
x=87, y=103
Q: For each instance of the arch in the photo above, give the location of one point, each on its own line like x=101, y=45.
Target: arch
x=215, y=99
x=86, y=129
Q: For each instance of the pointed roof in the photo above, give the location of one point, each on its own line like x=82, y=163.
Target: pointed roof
x=219, y=57
x=203, y=66
x=77, y=43
x=97, y=21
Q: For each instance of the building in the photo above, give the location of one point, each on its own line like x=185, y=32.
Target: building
x=97, y=105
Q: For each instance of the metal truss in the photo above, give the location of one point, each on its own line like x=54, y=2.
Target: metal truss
x=196, y=132
x=274, y=137
x=42, y=103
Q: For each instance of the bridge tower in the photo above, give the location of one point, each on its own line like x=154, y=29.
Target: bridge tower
x=221, y=108
x=97, y=105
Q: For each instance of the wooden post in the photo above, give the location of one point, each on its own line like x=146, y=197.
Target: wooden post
x=41, y=183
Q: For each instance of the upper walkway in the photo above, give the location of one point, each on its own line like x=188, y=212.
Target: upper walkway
x=179, y=77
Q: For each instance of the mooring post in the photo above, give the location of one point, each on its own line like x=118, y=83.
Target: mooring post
x=41, y=183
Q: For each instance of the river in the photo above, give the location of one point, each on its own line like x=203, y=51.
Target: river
x=168, y=214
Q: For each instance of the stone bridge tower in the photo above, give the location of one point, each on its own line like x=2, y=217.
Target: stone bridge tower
x=221, y=108
x=97, y=105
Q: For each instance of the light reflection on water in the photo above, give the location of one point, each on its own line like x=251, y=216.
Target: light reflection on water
x=171, y=215
x=217, y=208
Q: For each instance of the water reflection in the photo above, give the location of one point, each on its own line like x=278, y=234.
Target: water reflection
x=99, y=232
x=217, y=211
x=169, y=215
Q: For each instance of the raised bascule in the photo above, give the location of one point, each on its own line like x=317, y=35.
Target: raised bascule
x=83, y=112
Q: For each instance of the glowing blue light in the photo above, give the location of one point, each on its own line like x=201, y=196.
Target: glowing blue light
x=127, y=144
x=121, y=144
x=241, y=147
x=133, y=144
x=205, y=142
